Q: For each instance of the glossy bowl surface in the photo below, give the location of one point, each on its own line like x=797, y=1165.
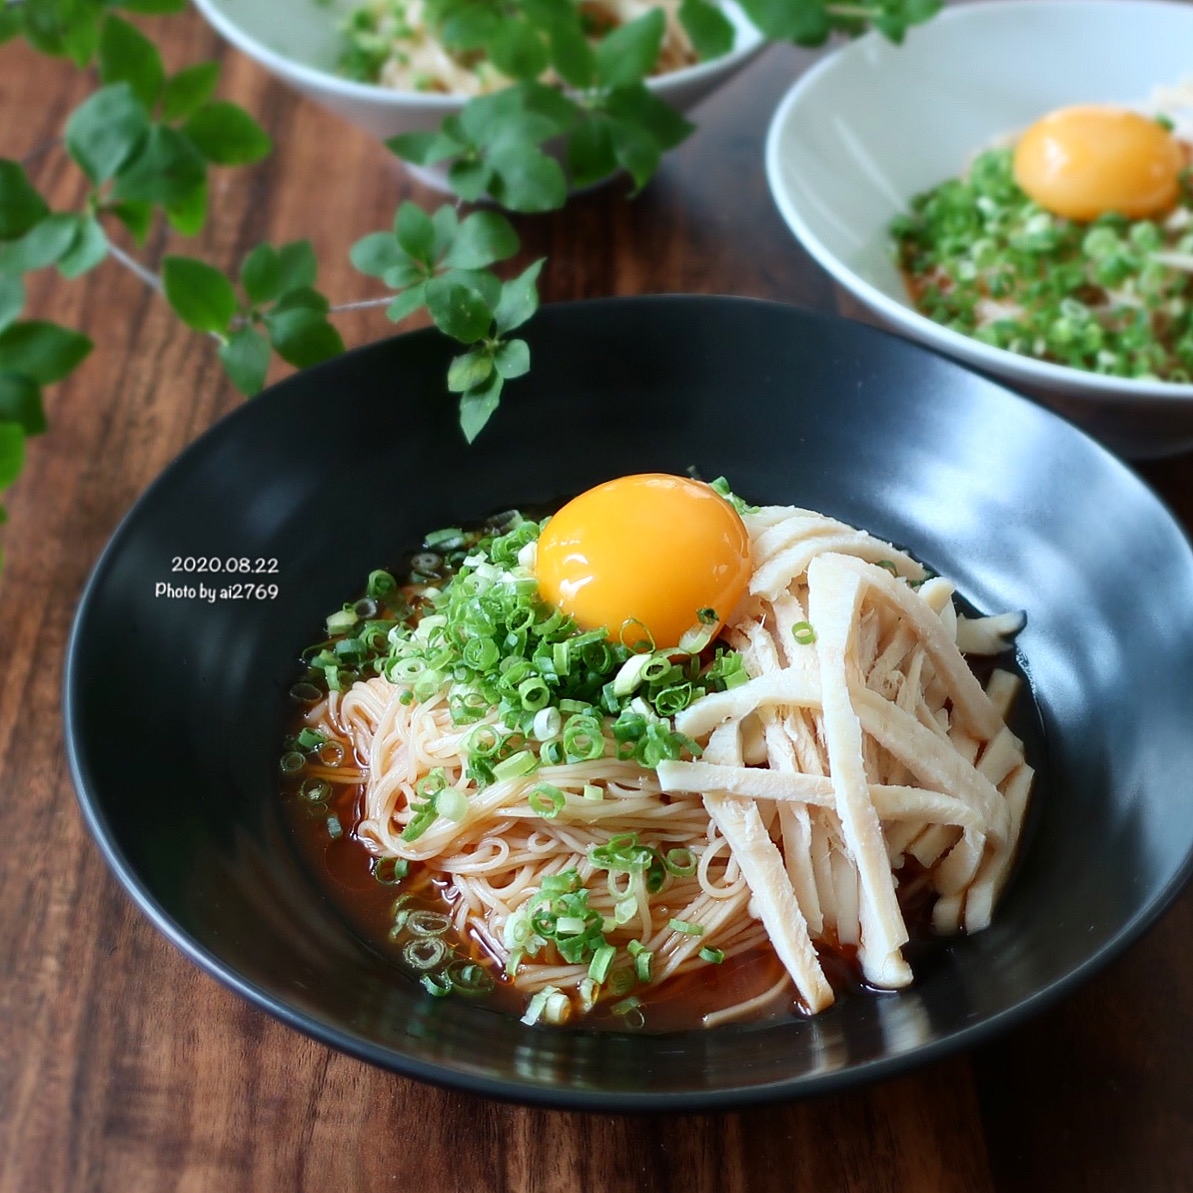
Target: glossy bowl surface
x=176, y=699
x=874, y=124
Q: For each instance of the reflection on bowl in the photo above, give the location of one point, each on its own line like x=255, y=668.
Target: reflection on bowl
x=299, y=41
x=873, y=125
x=176, y=701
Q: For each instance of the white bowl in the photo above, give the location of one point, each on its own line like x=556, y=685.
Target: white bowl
x=874, y=124
x=299, y=41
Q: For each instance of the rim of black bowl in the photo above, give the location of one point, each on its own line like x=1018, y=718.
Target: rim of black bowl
x=522, y=1091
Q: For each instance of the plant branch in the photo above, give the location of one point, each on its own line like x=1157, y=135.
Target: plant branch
x=45, y=146
x=146, y=275
x=362, y=305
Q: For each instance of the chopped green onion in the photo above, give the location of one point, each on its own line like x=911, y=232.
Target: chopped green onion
x=686, y=927
x=592, y=791
x=469, y=978
x=642, y=963
x=428, y=923
x=602, y=959
x=306, y=693
x=381, y=584
x=803, y=633
x=452, y=803
x=436, y=984
x=516, y=765
x=315, y=791
x=334, y=828
x=680, y=862
x=308, y=739
x=546, y=801
x=711, y=955
x=339, y=622
x=330, y=753
x=292, y=762
x=424, y=953
x=389, y=870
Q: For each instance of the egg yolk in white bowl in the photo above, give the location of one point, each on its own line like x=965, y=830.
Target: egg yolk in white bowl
x=647, y=554
x=1086, y=161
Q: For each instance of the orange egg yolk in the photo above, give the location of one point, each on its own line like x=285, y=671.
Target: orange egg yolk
x=644, y=551
x=1084, y=162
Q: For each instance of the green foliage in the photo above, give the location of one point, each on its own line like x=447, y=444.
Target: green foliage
x=145, y=141
x=20, y=205
x=440, y=262
x=200, y=295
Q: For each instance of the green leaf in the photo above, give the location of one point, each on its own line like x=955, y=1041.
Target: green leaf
x=470, y=179
x=81, y=40
x=458, y=310
x=20, y=403
x=245, y=358
x=527, y=180
x=469, y=26
x=424, y=148
x=10, y=22
x=188, y=213
x=590, y=154
x=297, y=264
x=42, y=245
x=227, y=135
x=126, y=55
x=188, y=90
x=166, y=169
x=105, y=131
x=470, y=370
x=483, y=237
x=406, y=303
x=519, y=299
x=374, y=255
x=136, y=217
x=446, y=224
x=201, y=296
x=802, y=21
x=67, y=28
x=484, y=281
x=43, y=352
x=517, y=50
x=153, y=6
x=302, y=298
x=12, y=453
x=630, y=52
x=636, y=151
x=512, y=359
x=477, y=406
x=710, y=30
x=639, y=104
x=20, y=205
x=261, y=274
x=572, y=56
x=303, y=337
x=90, y=247
x=551, y=104
x=12, y=297
x=415, y=232
x=406, y=273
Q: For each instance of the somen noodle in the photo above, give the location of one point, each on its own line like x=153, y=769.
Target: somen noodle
x=836, y=764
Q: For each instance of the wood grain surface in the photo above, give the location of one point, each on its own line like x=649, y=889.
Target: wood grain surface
x=124, y=1069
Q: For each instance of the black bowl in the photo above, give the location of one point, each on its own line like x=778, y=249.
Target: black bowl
x=176, y=704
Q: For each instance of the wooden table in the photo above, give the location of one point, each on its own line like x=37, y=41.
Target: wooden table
x=123, y=1068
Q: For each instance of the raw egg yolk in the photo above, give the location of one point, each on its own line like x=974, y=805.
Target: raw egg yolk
x=1083, y=162
x=647, y=551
